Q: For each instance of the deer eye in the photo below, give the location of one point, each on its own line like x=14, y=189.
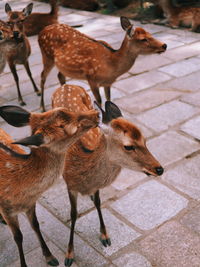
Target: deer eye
x=129, y=148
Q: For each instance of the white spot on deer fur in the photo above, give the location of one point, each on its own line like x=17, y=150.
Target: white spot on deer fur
x=8, y=165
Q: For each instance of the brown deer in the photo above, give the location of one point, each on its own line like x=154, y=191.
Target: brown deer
x=181, y=16
x=36, y=21
x=24, y=177
x=96, y=159
x=81, y=57
x=19, y=52
x=6, y=39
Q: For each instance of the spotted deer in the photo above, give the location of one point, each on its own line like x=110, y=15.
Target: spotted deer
x=19, y=52
x=24, y=177
x=181, y=16
x=97, y=158
x=36, y=21
x=81, y=57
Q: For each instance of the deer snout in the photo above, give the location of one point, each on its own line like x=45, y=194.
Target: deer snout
x=16, y=34
x=164, y=46
x=159, y=170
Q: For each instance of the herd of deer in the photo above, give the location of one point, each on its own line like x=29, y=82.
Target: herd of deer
x=86, y=146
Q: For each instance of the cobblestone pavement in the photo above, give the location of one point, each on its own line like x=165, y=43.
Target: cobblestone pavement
x=151, y=221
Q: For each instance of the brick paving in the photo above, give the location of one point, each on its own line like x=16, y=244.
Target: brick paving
x=153, y=222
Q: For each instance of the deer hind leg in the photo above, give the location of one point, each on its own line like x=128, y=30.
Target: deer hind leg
x=26, y=65
x=95, y=91
x=17, y=234
x=70, y=252
x=61, y=78
x=48, y=65
x=50, y=259
x=107, y=92
x=105, y=240
x=14, y=72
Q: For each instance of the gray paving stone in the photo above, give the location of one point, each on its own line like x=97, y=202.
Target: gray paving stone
x=192, y=219
x=120, y=234
x=172, y=245
x=146, y=100
x=149, y=205
x=182, y=68
x=193, y=99
x=191, y=127
x=132, y=260
x=171, y=146
x=127, y=178
x=185, y=177
x=140, y=82
x=167, y=115
x=59, y=234
x=184, y=84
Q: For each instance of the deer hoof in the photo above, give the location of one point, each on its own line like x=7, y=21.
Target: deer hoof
x=38, y=93
x=69, y=261
x=105, y=241
x=22, y=103
x=53, y=262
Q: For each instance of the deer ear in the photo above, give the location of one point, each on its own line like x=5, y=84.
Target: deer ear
x=127, y=26
x=102, y=114
x=112, y=111
x=28, y=9
x=15, y=116
x=7, y=8
x=33, y=140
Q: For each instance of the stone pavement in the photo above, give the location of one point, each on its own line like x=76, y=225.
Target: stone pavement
x=153, y=222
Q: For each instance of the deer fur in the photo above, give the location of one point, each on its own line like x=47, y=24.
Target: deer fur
x=24, y=177
x=20, y=50
x=96, y=159
x=81, y=57
x=181, y=16
x=36, y=22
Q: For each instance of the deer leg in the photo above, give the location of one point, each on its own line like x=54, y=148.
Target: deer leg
x=61, y=78
x=48, y=65
x=2, y=219
x=70, y=253
x=105, y=240
x=107, y=92
x=14, y=72
x=95, y=91
x=50, y=259
x=26, y=65
x=17, y=234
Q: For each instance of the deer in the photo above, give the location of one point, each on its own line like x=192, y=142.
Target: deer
x=24, y=177
x=180, y=16
x=96, y=159
x=81, y=57
x=20, y=50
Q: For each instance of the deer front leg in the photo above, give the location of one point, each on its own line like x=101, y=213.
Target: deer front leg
x=14, y=72
x=107, y=92
x=13, y=223
x=50, y=259
x=26, y=65
x=105, y=240
x=61, y=78
x=95, y=91
x=70, y=252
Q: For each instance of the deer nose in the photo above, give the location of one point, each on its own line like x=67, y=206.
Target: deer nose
x=164, y=46
x=159, y=170
x=16, y=34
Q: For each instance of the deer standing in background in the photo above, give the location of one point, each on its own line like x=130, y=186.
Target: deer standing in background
x=80, y=57
x=19, y=52
x=96, y=159
x=36, y=22
x=25, y=177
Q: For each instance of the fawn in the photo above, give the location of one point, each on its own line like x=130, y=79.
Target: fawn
x=96, y=159
x=36, y=22
x=6, y=39
x=81, y=57
x=20, y=50
x=181, y=16
x=24, y=177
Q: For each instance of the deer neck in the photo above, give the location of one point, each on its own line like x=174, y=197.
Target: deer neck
x=124, y=58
